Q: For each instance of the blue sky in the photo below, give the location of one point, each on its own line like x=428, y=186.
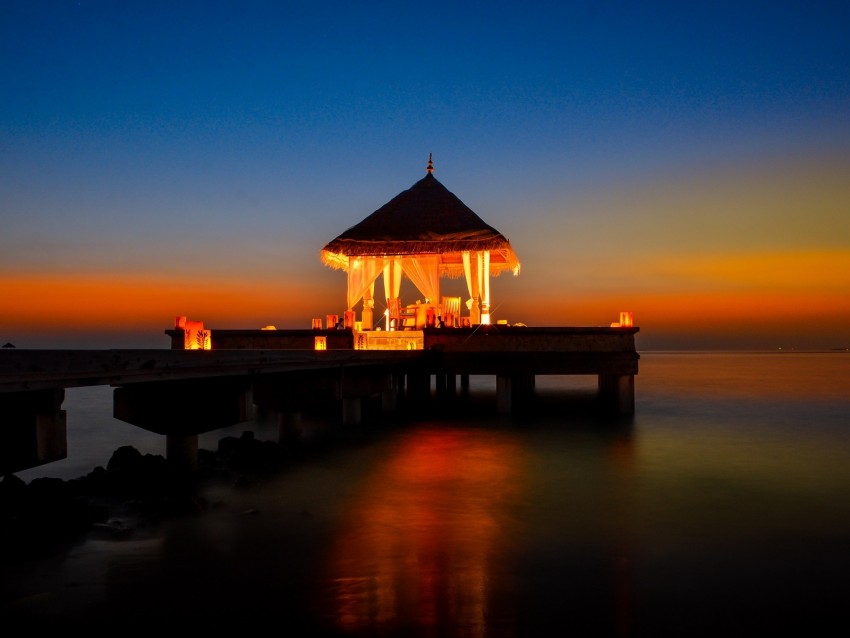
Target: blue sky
x=232, y=140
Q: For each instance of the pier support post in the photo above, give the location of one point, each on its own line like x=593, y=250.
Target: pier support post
x=33, y=429
x=464, y=384
x=504, y=393
x=513, y=391
x=418, y=387
x=523, y=390
x=183, y=409
x=617, y=392
x=352, y=411
x=391, y=395
x=181, y=451
x=440, y=384
x=389, y=400
x=446, y=385
x=289, y=427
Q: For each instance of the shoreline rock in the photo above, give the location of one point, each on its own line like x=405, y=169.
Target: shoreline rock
x=47, y=515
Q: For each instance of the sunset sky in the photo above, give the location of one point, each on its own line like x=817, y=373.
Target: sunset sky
x=689, y=162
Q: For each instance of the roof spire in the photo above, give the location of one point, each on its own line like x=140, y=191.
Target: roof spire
x=430, y=164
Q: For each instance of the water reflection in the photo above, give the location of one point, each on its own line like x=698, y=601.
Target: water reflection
x=427, y=538
x=716, y=512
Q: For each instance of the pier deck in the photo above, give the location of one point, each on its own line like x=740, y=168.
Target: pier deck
x=181, y=393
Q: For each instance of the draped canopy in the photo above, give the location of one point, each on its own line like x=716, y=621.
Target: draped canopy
x=424, y=233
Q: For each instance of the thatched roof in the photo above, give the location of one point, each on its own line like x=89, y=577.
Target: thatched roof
x=426, y=219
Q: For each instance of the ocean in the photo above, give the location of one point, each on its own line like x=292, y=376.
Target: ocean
x=722, y=508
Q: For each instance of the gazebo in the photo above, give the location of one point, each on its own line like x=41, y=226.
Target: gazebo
x=424, y=233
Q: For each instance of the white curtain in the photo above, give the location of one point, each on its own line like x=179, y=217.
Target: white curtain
x=424, y=272
x=476, y=267
x=471, y=270
x=362, y=273
x=484, y=274
x=392, y=277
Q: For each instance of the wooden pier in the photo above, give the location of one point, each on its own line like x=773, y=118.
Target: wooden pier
x=181, y=393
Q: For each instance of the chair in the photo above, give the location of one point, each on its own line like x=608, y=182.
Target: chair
x=451, y=311
x=408, y=318
x=393, y=314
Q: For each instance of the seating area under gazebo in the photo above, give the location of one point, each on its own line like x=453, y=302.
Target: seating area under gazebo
x=423, y=234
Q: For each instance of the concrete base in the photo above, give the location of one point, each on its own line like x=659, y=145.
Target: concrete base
x=289, y=427
x=446, y=385
x=34, y=429
x=184, y=407
x=182, y=451
x=617, y=393
x=389, y=400
x=418, y=387
x=352, y=411
x=513, y=391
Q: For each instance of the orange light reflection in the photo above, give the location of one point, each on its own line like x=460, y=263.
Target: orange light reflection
x=422, y=535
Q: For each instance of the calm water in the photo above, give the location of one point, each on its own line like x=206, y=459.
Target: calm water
x=721, y=509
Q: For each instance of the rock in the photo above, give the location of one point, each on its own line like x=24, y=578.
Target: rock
x=144, y=489
x=42, y=515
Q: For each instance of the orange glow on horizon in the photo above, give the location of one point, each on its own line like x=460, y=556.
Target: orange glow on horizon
x=740, y=295
x=77, y=303
x=684, y=308
x=762, y=271
x=712, y=296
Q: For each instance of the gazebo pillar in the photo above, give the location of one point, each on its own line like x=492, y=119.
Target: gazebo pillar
x=484, y=274
x=367, y=317
x=475, y=311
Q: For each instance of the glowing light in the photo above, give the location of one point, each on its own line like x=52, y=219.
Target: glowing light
x=625, y=320
x=195, y=337
x=320, y=343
